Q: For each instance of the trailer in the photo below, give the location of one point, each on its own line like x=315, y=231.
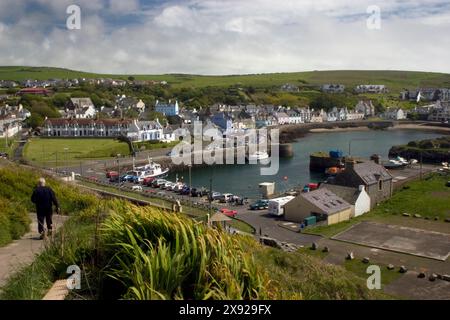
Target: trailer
x=276, y=206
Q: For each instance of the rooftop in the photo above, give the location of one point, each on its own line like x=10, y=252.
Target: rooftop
x=326, y=200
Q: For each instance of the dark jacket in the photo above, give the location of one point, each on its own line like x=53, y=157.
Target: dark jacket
x=43, y=198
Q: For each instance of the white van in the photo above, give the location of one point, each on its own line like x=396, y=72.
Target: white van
x=225, y=197
x=276, y=206
x=136, y=188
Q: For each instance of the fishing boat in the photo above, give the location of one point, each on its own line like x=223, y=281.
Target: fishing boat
x=393, y=164
x=150, y=170
x=258, y=155
x=333, y=171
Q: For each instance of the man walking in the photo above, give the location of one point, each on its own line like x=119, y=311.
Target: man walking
x=44, y=199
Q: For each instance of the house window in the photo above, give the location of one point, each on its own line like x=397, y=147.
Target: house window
x=380, y=185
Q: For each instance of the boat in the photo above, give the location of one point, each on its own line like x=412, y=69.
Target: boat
x=258, y=155
x=393, y=164
x=150, y=170
x=332, y=171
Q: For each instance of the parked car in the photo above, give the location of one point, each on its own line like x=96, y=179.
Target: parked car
x=3, y=155
x=136, y=188
x=111, y=174
x=148, y=181
x=215, y=195
x=165, y=185
x=158, y=182
x=126, y=177
x=178, y=187
x=226, y=197
x=260, y=205
x=228, y=212
x=185, y=191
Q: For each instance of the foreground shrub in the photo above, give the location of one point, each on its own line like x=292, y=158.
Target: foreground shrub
x=14, y=221
x=158, y=255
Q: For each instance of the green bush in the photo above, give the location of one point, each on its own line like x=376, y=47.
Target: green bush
x=17, y=185
x=14, y=221
x=156, y=255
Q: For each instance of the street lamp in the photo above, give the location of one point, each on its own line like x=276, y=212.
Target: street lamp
x=118, y=167
x=67, y=164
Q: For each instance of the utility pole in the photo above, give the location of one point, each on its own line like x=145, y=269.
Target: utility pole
x=210, y=196
x=190, y=178
x=421, y=160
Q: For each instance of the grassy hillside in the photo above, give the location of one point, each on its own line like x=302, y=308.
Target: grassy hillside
x=395, y=80
x=141, y=253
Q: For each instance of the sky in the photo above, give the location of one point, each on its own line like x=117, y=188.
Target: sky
x=226, y=36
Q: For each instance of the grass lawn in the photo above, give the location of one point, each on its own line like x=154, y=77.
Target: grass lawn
x=359, y=268
x=52, y=151
x=428, y=197
x=153, y=145
x=9, y=149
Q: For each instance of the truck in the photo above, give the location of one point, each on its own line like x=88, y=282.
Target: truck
x=276, y=206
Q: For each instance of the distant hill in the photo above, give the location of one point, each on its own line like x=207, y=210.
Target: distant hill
x=394, y=80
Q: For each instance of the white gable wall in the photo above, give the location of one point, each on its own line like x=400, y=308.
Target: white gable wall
x=362, y=204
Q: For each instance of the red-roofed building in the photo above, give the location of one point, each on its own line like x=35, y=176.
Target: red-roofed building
x=38, y=91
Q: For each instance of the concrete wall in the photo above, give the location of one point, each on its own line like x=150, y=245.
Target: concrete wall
x=340, y=216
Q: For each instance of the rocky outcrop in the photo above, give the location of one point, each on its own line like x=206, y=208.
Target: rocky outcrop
x=430, y=150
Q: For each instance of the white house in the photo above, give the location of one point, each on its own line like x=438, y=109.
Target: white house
x=357, y=197
x=332, y=88
x=9, y=127
x=371, y=88
x=353, y=115
x=440, y=113
x=168, y=109
x=282, y=117
x=294, y=117
x=366, y=107
x=80, y=108
x=394, y=114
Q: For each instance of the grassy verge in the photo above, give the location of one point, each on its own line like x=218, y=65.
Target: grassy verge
x=188, y=210
x=8, y=147
x=359, y=268
x=74, y=245
x=429, y=198
x=153, y=145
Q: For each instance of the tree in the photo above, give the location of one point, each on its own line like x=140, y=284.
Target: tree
x=59, y=100
x=131, y=78
x=36, y=120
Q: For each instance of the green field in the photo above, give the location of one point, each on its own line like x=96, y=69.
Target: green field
x=429, y=198
x=52, y=152
x=8, y=147
x=394, y=80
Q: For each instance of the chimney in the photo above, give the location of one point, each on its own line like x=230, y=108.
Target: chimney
x=375, y=158
x=349, y=164
x=361, y=188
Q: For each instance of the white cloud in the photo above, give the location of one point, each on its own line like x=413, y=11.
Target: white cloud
x=222, y=37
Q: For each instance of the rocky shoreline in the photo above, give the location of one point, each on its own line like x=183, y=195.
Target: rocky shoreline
x=291, y=133
x=428, y=151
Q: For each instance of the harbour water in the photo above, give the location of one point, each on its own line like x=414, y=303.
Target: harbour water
x=243, y=180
